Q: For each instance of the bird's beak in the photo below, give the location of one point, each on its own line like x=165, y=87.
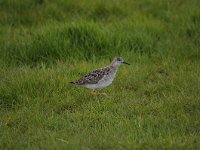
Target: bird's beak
x=126, y=63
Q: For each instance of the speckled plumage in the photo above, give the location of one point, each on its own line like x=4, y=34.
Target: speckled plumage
x=100, y=78
x=93, y=77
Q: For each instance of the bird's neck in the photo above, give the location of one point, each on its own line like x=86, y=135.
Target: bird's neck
x=114, y=66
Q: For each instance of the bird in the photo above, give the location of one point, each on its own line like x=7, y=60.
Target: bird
x=100, y=78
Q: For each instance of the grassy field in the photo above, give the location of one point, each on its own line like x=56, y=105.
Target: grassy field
x=152, y=104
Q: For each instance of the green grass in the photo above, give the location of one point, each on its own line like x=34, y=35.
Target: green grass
x=153, y=104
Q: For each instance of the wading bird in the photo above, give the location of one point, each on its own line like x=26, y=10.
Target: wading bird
x=100, y=78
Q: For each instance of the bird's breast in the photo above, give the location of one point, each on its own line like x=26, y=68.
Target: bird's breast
x=106, y=80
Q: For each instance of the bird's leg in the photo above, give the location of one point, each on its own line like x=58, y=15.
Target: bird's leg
x=103, y=94
x=94, y=93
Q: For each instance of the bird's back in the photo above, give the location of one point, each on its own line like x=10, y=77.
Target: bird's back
x=93, y=77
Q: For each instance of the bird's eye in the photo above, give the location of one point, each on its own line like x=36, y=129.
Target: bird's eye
x=118, y=59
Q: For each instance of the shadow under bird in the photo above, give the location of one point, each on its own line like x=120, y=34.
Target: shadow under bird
x=101, y=77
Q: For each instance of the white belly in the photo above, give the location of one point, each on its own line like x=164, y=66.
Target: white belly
x=105, y=81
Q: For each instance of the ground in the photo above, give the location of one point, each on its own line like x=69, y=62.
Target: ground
x=153, y=104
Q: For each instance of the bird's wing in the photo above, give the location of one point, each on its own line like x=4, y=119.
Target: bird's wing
x=93, y=77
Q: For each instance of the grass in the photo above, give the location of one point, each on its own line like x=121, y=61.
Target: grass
x=153, y=104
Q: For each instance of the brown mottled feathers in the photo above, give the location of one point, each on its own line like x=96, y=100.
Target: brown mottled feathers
x=93, y=77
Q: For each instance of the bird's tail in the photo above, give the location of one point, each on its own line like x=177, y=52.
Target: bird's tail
x=72, y=82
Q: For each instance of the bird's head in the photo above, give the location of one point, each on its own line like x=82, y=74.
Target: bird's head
x=118, y=61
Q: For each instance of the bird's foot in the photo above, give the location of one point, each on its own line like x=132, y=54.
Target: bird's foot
x=94, y=93
x=103, y=94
